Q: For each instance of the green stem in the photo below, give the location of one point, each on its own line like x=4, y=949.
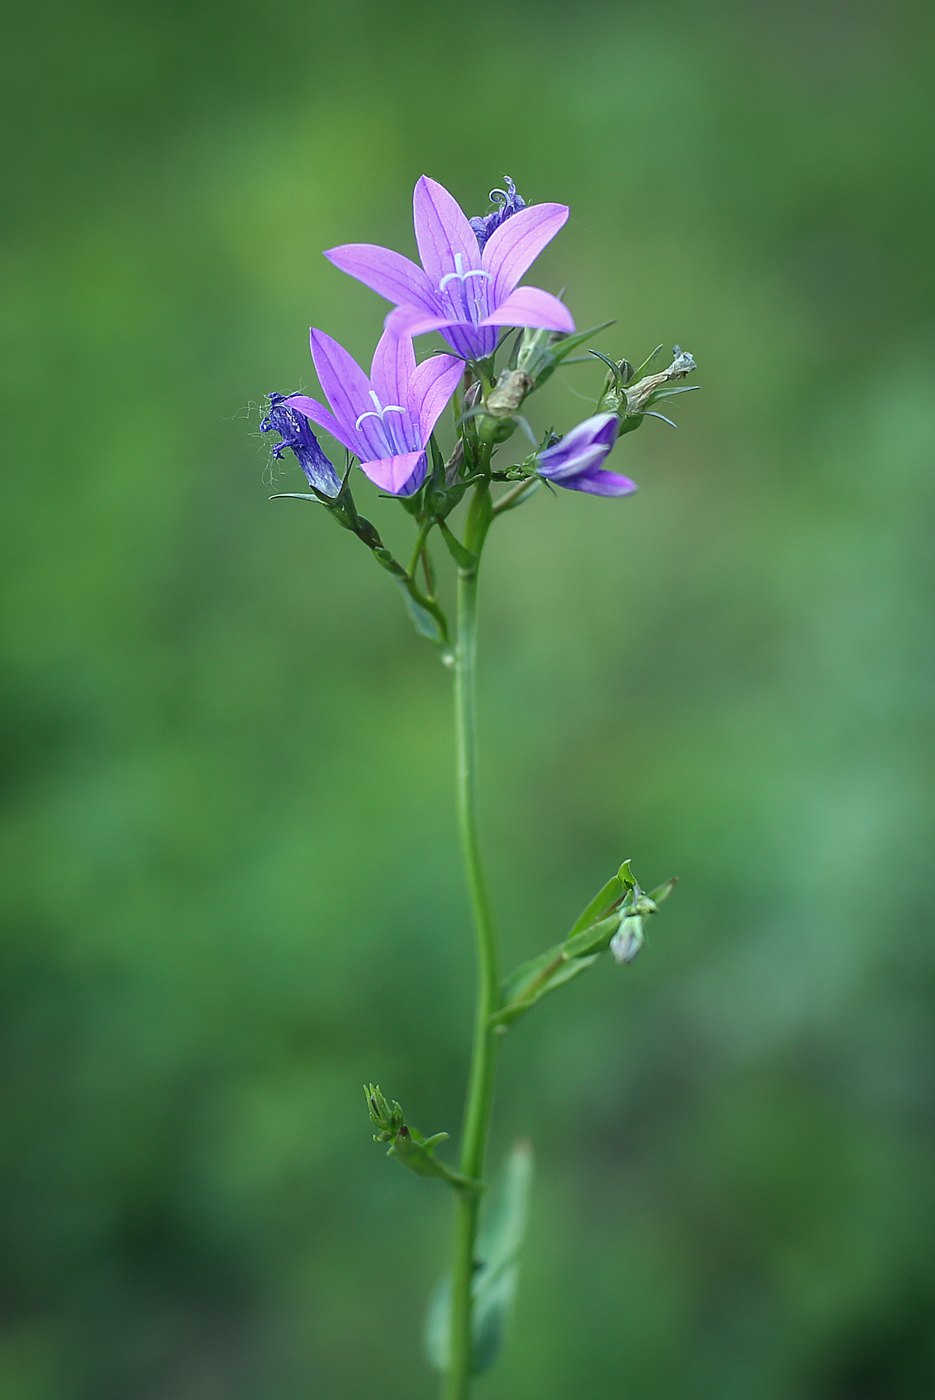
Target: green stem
x=483, y=1059
x=419, y=545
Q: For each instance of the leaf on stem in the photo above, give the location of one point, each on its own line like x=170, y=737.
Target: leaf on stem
x=499, y=1241
x=619, y=906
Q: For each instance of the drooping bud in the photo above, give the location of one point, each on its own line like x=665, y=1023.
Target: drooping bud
x=628, y=940
x=576, y=460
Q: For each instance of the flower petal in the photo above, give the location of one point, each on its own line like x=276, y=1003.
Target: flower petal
x=412, y=320
x=442, y=232
x=320, y=415
x=597, y=482
x=399, y=475
x=346, y=387
x=394, y=363
x=514, y=246
x=393, y=276
x=531, y=306
x=432, y=385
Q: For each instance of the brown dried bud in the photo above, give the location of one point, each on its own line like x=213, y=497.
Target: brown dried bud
x=638, y=394
x=510, y=390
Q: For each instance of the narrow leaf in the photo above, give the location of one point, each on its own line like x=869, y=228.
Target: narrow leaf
x=647, y=364
x=503, y=1226
x=462, y=557
x=425, y=624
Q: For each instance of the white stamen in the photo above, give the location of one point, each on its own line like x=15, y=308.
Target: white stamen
x=461, y=276
x=378, y=412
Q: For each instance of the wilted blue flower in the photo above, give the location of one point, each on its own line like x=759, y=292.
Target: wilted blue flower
x=385, y=420
x=292, y=426
x=575, y=460
x=507, y=201
x=459, y=290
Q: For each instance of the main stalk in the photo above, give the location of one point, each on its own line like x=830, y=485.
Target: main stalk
x=483, y=1057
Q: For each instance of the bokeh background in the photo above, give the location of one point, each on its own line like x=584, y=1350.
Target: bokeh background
x=232, y=890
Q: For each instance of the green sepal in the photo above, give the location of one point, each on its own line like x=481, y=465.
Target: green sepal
x=296, y=496
x=663, y=891
x=439, y=495
x=407, y=1144
x=647, y=364
x=541, y=352
x=672, y=389
x=629, y=423
x=493, y=1286
x=392, y=566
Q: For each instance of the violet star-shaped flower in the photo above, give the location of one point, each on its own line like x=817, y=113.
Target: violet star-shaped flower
x=461, y=290
x=575, y=460
x=386, y=420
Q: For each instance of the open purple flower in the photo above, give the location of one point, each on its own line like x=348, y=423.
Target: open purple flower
x=295, y=432
x=385, y=420
x=575, y=460
x=461, y=290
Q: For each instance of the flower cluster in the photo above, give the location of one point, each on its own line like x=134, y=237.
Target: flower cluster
x=468, y=288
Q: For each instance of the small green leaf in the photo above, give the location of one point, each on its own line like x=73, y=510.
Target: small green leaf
x=605, y=900
x=499, y=1241
x=663, y=891
x=594, y=939
x=529, y=982
x=590, y=936
x=425, y=624
x=462, y=557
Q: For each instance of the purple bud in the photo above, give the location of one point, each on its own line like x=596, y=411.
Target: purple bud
x=293, y=428
x=575, y=461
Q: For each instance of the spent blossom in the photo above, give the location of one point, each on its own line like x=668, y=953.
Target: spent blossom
x=507, y=201
x=292, y=426
x=465, y=288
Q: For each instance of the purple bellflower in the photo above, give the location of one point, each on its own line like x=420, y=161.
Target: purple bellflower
x=575, y=460
x=386, y=420
x=507, y=201
x=465, y=288
x=295, y=432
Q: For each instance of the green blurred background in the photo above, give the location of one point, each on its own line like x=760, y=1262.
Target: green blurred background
x=232, y=890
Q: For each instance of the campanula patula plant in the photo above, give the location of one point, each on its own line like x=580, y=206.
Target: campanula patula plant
x=504, y=340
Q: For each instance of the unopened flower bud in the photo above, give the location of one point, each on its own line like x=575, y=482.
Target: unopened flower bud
x=628, y=940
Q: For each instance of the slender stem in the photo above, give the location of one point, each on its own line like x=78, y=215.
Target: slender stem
x=419, y=545
x=480, y=1084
